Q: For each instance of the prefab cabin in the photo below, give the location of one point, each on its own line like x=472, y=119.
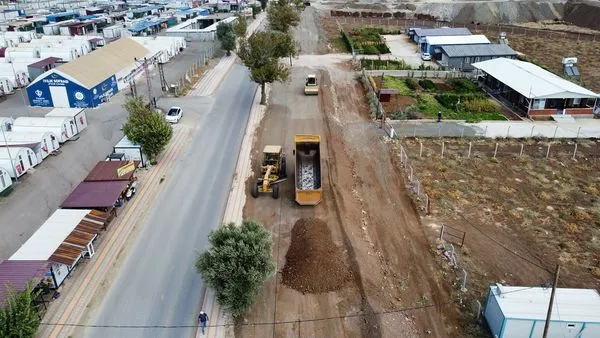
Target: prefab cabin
x=5, y=181
x=48, y=141
x=26, y=156
x=77, y=115
x=63, y=127
x=132, y=151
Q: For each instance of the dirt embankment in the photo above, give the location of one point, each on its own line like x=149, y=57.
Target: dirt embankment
x=583, y=13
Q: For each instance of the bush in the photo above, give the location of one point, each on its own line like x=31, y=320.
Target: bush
x=427, y=84
x=480, y=106
x=448, y=100
x=347, y=41
x=410, y=113
x=462, y=86
x=411, y=84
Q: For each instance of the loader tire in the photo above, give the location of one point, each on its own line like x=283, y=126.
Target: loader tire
x=276, y=191
x=254, y=191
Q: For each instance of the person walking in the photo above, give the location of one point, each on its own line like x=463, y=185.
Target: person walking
x=203, y=318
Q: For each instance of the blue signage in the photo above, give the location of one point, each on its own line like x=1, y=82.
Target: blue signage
x=40, y=93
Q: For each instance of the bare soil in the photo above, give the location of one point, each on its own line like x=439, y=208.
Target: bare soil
x=314, y=263
x=522, y=215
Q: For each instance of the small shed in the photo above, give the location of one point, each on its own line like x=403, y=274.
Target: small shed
x=132, y=151
x=462, y=56
x=5, y=182
x=47, y=140
x=60, y=241
x=515, y=311
x=16, y=275
x=77, y=115
x=63, y=127
x=113, y=171
x=40, y=67
x=102, y=195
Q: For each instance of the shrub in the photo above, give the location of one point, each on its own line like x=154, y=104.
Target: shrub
x=447, y=100
x=427, y=84
x=411, y=84
x=480, y=106
x=462, y=86
x=347, y=41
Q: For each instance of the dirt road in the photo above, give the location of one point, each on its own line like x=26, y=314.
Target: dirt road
x=368, y=213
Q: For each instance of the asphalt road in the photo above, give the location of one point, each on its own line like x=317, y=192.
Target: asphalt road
x=157, y=283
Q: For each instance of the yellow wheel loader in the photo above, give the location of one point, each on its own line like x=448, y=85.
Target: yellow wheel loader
x=273, y=172
x=311, y=87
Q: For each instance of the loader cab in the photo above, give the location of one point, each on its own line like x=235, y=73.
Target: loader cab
x=271, y=155
x=311, y=80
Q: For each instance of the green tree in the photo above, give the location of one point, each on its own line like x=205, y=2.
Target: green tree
x=237, y=264
x=146, y=127
x=19, y=317
x=260, y=55
x=299, y=4
x=263, y=4
x=226, y=37
x=285, y=45
x=282, y=16
x=241, y=26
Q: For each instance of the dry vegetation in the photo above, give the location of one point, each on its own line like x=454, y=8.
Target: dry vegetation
x=547, y=211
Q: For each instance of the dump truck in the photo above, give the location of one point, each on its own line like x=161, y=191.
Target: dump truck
x=308, y=169
x=311, y=87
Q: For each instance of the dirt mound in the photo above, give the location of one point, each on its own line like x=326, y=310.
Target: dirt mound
x=584, y=14
x=313, y=263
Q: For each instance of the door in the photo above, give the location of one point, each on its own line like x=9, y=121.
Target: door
x=59, y=96
x=72, y=126
x=29, y=158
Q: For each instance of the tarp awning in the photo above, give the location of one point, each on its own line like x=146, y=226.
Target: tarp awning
x=17, y=274
x=108, y=171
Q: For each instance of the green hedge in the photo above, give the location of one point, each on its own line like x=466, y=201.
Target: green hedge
x=427, y=84
x=347, y=41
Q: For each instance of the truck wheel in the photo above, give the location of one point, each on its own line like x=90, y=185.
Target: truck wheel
x=283, y=169
x=254, y=190
x=276, y=191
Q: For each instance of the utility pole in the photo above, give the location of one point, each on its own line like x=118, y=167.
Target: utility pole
x=547, y=324
x=145, y=68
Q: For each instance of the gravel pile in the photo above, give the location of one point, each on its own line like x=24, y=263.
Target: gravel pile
x=313, y=263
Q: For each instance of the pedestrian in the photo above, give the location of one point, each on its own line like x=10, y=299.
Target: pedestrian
x=203, y=318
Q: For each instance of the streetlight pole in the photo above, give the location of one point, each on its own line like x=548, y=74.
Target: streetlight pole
x=9, y=156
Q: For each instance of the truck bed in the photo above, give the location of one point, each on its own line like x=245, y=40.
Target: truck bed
x=308, y=170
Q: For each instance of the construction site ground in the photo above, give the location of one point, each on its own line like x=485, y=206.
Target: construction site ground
x=393, y=288
x=522, y=214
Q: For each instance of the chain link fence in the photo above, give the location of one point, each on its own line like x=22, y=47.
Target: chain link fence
x=415, y=188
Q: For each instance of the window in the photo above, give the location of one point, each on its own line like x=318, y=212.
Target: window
x=467, y=60
x=576, y=102
x=477, y=58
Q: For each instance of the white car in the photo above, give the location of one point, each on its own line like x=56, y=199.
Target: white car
x=426, y=57
x=174, y=114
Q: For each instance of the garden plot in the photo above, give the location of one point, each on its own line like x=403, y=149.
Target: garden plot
x=522, y=214
x=456, y=99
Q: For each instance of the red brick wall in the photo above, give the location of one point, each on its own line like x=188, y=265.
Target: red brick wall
x=570, y=111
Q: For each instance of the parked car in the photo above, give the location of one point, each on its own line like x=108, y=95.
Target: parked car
x=174, y=114
x=426, y=57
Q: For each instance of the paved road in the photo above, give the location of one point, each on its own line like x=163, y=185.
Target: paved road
x=55, y=178
x=157, y=283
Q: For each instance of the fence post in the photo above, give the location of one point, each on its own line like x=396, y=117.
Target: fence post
x=578, y=130
x=575, y=151
x=421, y=149
x=463, y=287
x=442, y=233
x=496, y=150
x=418, y=188
x=469, y=155
x=443, y=146
x=532, y=131
x=521, y=152
x=410, y=177
x=548, y=151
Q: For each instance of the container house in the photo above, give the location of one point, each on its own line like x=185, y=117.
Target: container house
x=462, y=56
x=515, y=311
x=5, y=182
x=25, y=156
x=77, y=115
x=132, y=151
x=46, y=142
x=63, y=127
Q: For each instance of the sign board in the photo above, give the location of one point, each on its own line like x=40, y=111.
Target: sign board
x=129, y=167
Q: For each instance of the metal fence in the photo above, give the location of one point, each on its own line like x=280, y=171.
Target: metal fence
x=404, y=24
x=414, y=73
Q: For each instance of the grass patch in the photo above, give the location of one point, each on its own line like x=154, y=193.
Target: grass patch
x=430, y=106
x=390, y=82
x=385, y=64
x=368, y=41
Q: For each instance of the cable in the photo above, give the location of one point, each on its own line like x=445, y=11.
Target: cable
x=400, y=310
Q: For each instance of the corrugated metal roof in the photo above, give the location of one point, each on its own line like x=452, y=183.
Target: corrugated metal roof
x=107, y=171
x=99, y=65
x=95, y=194
x=441, y=31
x=532, y=81
x=456, y=40
x=18, y=273
x=45, y=62
x=478, y=50
x=579, y=305
x=42, y=244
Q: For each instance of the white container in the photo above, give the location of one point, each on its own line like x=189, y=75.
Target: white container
x=77, y=115
x=24, y=155
x=132, y=151
x=47, y=140
x=5, y=180
x=63, y=127
x=6, y=86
